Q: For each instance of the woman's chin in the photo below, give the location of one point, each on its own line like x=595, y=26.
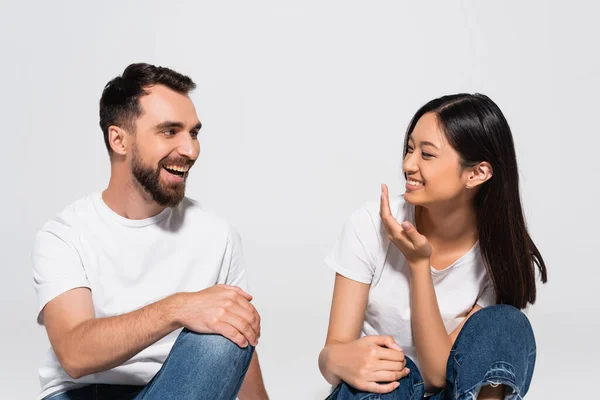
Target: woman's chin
x=413, y=198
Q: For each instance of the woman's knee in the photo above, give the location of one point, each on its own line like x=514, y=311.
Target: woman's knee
x=502, y=321
x=496, y=344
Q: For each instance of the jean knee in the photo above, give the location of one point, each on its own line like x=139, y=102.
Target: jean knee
x=496, y=345
x=212, y=346
x=503, y=321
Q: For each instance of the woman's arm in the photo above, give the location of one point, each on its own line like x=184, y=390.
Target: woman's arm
x=431, y=339
x=345, y=321
x=364, y=362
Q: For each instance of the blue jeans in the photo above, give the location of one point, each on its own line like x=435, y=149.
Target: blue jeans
x=199, y=366
x=495, y=346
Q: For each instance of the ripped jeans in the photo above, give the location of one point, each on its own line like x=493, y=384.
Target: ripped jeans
x=495, y=346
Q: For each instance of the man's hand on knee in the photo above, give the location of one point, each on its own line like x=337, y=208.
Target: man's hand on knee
x=221, y=309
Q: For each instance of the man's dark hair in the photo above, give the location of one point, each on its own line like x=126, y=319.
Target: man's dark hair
x=119, y=104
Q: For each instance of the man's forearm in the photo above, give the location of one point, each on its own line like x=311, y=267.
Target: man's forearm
x=103, y=343
x=431, y=339
x=253, y=387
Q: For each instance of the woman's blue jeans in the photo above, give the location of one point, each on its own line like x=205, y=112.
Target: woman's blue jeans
x=495, y=346
x=199, y=366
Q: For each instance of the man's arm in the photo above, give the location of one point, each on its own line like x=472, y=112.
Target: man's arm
x=253, y=387
x=84, y=344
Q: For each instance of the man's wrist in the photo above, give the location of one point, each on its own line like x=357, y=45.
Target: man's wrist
x=172, y=310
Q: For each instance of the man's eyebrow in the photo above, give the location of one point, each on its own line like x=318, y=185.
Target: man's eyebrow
x=169, y=124
x=178, y=125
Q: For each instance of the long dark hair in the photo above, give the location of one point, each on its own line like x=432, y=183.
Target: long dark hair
x=476, y=128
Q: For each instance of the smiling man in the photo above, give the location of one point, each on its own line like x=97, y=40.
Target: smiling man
x=143, y=291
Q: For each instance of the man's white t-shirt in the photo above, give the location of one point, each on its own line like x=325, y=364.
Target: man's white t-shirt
x=128, y=264
x=364, y=254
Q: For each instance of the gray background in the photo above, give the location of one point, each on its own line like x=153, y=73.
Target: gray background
x=304, y=108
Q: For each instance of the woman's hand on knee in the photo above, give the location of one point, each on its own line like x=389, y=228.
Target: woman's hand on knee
x=365, y=362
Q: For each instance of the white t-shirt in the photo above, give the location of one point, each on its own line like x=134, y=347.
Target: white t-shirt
x=128, y=264
x=364, y=254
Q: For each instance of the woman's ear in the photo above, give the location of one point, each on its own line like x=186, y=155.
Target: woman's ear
x=479, y=174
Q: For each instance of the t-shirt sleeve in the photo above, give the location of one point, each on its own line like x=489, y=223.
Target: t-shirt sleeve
x=233, y=268
x=487, y=297
x=57, y=267
x=355, y=253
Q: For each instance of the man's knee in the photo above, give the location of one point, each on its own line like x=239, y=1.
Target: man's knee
x=212, y=348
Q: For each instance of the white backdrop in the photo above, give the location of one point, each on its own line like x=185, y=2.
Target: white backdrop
x=304, y=106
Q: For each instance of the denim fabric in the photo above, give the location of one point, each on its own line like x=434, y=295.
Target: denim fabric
x=495, y=346
x=199, y=366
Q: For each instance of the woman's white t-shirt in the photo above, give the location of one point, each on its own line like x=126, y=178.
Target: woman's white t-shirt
x=364, y=254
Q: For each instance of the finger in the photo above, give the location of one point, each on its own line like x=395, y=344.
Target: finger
x=248, y=312
x=391, y=225
x=389, y=376
x=411, y=232
x=231, y=333
x=241, y=325
x=240, y=291
x=395, y=366
x=374, y=387
x=390, y=355
x=384, y=340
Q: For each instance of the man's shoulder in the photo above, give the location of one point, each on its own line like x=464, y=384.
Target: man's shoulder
x=76, y=212
x=71, y=219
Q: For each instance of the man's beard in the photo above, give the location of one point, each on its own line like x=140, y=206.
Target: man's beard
x=167, y=195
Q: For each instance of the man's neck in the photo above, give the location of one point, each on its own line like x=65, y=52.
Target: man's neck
x=127, y=198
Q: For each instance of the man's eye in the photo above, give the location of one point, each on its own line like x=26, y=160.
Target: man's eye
x=194, y=134
x=169, y=132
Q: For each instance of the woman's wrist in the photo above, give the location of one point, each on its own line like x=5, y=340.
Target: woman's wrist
x=421, y=265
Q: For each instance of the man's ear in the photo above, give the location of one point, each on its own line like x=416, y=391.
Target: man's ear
x=479, y=174
x=118, y=139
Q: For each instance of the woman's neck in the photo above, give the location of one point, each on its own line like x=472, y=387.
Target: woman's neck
x=447, y=224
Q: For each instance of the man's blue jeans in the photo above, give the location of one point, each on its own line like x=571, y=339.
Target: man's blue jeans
x=495, y=346
x=199, y=366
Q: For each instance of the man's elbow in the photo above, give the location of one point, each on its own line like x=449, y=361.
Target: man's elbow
x=71, y=365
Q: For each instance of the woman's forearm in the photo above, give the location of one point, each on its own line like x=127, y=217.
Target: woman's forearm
x=431, y=339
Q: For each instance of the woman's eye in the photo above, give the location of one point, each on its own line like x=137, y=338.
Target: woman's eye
x=409, y=149
x=426, y=155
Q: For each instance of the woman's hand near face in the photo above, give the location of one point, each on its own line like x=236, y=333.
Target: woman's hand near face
x=415, y=247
